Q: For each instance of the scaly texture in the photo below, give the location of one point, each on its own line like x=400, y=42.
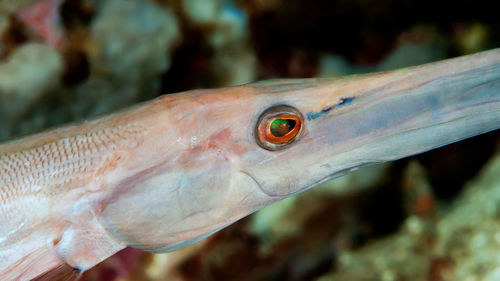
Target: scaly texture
x=35, y=176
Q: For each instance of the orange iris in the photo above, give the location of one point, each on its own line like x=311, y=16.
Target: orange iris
x=278, y=127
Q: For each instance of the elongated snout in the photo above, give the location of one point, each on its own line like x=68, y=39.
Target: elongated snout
x=361, y=120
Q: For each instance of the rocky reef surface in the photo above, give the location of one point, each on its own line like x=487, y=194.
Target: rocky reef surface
x=430, y=217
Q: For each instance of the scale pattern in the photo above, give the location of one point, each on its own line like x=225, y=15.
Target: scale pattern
x=59, y=166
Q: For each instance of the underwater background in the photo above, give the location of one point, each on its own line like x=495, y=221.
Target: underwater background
x=435, y=216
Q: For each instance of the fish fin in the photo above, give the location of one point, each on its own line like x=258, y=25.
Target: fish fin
x=62, y=272
x=86, y=243
x=31, y=264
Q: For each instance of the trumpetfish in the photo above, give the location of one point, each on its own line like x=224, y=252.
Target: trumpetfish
x=169, y=172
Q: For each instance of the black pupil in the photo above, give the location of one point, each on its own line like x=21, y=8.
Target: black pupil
x=281, y=127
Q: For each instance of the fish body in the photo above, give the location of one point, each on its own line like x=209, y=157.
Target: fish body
x=169, y=172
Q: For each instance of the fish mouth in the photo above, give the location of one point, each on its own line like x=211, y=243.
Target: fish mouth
x=328, y=177
x=262, y=189
x=343, y=172
x=278, y=196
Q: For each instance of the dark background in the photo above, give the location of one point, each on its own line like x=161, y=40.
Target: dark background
x=281, y=39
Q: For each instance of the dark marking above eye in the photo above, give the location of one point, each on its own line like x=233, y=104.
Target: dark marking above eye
x=345, y=101
x=327, y=108
x=314, y=115
x=341, y=102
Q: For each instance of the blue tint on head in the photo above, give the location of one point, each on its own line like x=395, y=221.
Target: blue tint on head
x=345, y=101
x=326, y=109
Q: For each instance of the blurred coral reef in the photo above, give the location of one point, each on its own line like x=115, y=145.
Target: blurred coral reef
x=431, y=217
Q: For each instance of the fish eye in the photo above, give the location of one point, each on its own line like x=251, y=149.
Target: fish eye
x=278, y=127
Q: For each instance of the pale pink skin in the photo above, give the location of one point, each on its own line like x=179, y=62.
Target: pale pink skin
x=167, y=173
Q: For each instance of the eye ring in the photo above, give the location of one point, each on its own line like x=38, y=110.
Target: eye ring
x=278, y=127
